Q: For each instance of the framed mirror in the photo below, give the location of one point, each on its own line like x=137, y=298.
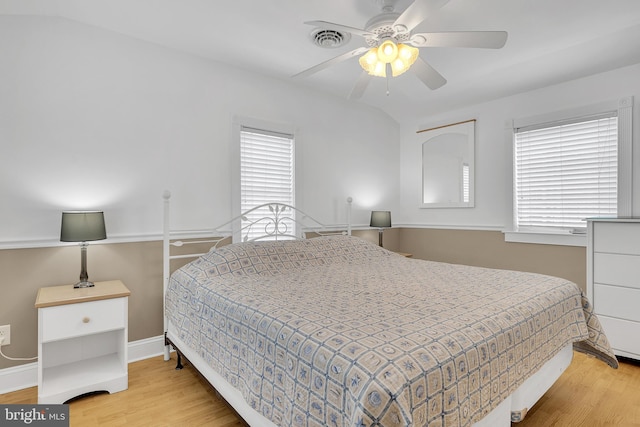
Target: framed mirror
x=448, y=165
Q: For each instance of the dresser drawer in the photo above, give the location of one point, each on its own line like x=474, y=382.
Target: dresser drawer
x=617, y=269
x=623, y=335
x=73, y=320
x=616, y=237
x=616, y=301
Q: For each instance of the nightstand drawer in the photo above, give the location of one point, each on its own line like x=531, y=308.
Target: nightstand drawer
x=73, y=320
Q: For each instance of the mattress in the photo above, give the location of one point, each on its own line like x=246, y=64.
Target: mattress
x=337, y=331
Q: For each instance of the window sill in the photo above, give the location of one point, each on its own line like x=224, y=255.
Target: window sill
x=539, y=238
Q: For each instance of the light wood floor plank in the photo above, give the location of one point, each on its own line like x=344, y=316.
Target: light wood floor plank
x=588, y=394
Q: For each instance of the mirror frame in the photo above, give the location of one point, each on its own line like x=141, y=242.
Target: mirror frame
x=466, y=129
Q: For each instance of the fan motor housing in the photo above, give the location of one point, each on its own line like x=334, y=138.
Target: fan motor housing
x=382, y=26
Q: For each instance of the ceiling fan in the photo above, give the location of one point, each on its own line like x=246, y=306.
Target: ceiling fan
x=392, y=46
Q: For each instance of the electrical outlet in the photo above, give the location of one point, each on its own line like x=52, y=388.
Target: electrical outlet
x=5, y=332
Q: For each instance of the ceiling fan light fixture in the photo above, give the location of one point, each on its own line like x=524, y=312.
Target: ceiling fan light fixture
x=371, y=63
x=374, y=65
x=387, y=51
x=380, y=70
x=370, y=58
x=407, y=55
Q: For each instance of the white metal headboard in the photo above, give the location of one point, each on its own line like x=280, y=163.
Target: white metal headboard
x=270, y=221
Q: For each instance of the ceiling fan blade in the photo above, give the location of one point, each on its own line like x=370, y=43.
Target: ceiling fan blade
x=482, y=39
x=428, y=74
x=361, y=85
x=326, y=64
x=338, y=27
x=417, y=12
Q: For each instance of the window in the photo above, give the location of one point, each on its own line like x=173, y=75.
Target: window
x=266, y=176
x=465, y=183
x=551, y=198
x=565, y=172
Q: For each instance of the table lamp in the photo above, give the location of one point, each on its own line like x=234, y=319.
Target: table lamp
x=380, y=220
x=83, y=226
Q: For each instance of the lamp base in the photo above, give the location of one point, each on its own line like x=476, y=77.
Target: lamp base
x=83, y=284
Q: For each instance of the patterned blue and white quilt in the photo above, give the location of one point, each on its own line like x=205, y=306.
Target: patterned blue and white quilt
x=336, y=331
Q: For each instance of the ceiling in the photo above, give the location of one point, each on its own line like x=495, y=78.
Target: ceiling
x=550, y=41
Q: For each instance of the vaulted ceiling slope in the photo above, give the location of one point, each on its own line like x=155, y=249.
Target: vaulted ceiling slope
x=549, y=41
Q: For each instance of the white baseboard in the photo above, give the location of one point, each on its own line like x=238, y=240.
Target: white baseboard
x=146, y=348
x=18, y=377
x=25, y=376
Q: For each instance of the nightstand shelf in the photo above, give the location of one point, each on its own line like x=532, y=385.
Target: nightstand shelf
x=82, y=340
x=74, y=379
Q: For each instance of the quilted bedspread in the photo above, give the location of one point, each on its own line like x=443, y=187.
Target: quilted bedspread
x=335, y=331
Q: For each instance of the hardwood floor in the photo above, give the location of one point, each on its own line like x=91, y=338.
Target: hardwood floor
x=157, y=396
x=588, y=394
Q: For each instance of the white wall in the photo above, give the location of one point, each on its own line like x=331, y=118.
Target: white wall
x=493, y=157
x=90, y=119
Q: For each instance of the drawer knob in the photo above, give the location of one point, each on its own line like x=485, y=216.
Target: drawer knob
x=86, y=320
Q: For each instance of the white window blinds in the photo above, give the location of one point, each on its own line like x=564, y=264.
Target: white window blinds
x=266, y=175
x=465, y=182
x=566, y=172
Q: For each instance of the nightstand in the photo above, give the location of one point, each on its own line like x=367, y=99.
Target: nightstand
x=82, y=340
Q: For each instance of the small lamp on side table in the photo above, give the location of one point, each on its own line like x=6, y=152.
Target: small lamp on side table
x=83, y=226
x=380, y=220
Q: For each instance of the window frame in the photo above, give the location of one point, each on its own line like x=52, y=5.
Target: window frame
x=624, y=108
x=269, y=128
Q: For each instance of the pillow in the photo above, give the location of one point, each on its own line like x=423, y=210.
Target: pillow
x=274, y=257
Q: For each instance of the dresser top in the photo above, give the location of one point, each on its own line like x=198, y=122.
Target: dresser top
x=67, y=294
x=615, y=219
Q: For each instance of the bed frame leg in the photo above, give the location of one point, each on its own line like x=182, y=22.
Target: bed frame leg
x=167, y=348
x=517, y=416
x=179, y=362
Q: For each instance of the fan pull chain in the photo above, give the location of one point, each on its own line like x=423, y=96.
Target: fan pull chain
x=388, y=72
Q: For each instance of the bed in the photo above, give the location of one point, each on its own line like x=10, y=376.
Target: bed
x=336, y=331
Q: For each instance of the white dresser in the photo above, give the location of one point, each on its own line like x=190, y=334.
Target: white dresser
x=613, y=280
